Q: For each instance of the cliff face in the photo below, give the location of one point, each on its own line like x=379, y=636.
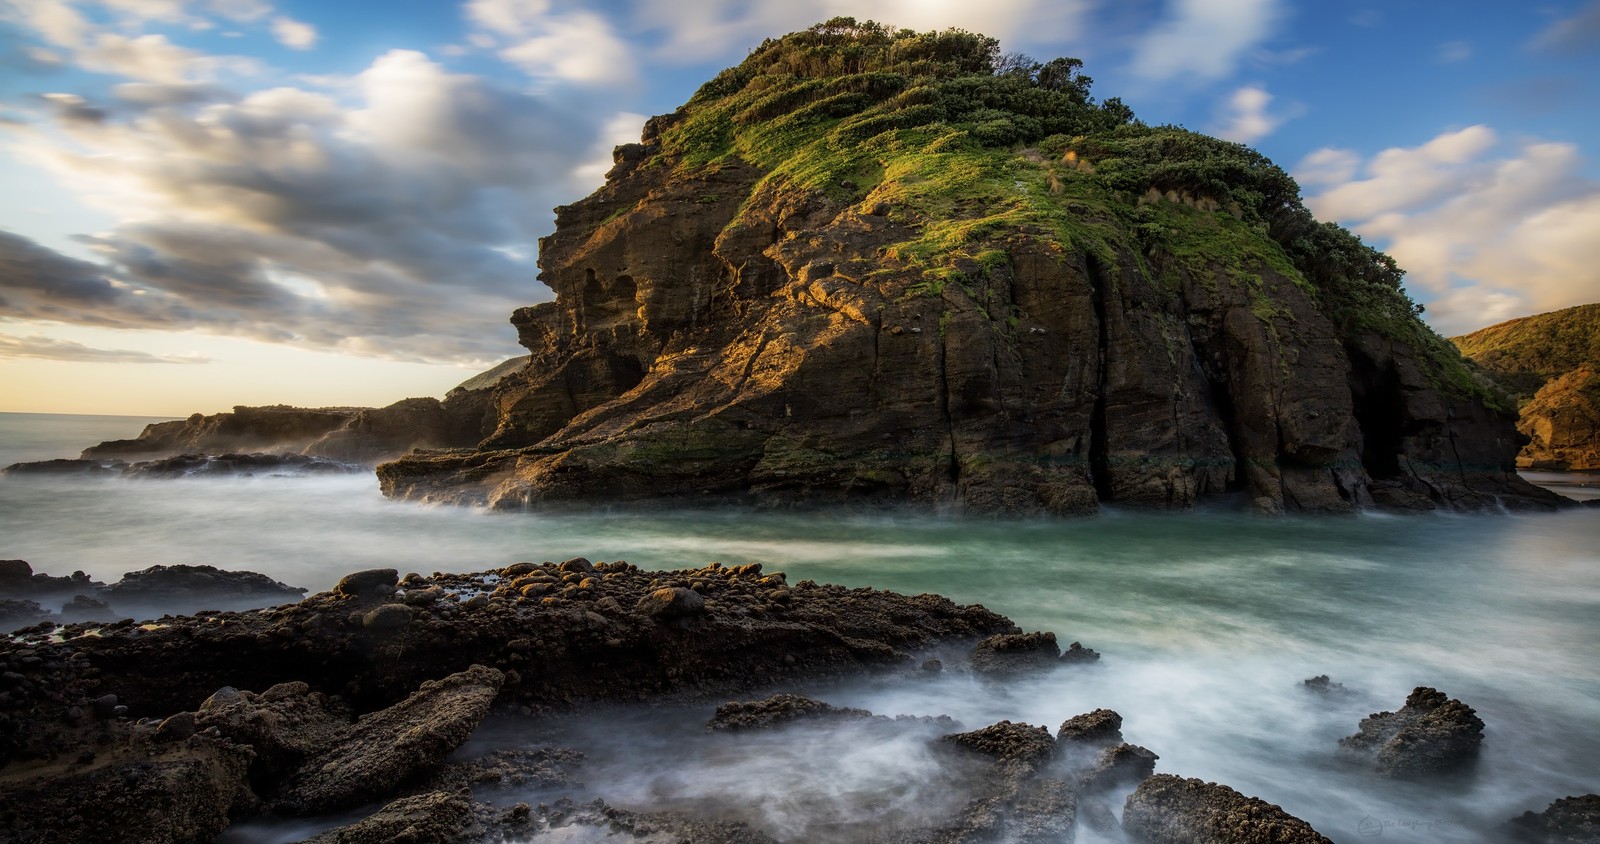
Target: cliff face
x=794, y=290
x=1551, y=363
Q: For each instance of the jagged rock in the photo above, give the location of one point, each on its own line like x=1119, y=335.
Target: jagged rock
x=1167, y=809
x=1431, y=734
x=555, y=650
x=1321, y=685
x=1117, y=766
x=776, y=710
x=284, y=725
x=544, y=767
x=63, y=466
x=194, y=584
x=388, y=748
x=1077, y=654
x=1102, y=726
x=1008, y=742
x=1570, y=820
x=1011, y=653
x=174, y=793
x=437, y=817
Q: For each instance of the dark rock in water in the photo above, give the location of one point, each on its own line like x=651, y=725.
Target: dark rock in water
x=1570, y=820
x=1008, y=742
x=671, y=602
x=105, y=468
x=1077, y=654
x=20, y=612
x=541, y=768
x=371, y=583
x=18, y=579
x=1102, y=726
x=1010, y=653
x=175, y=793
x=188, y=584
x=191, y=465
x=437, y=817
x=776, y=710
x=579, y=565
x=346, y=434
x=284, y=725
x=388, y=748
x=1167, y=809
x=85, y=608
x=1431, y=734
x=1118, y=766
x=1324, y=686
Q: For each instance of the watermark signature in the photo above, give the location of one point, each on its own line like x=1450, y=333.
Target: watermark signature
x=1371, y=827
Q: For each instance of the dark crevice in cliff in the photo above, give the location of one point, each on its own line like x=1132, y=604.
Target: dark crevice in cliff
x=954, y=468
x=1379, y=406
x=1099, y=456
x=1219, y=400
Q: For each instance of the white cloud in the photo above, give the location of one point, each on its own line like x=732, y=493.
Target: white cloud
x=54, y=20
x=1486, y=232
x=1399, y=178
x=1203, y=40
x=1327, y=166
x=296, y=35
x=579, y=47
x=507, y=17
x=241, y=11
x=401, y=226
x=151, y=58
x=1246, y=118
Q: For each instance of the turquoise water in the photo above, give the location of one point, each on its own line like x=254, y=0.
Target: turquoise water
x=1207, y=621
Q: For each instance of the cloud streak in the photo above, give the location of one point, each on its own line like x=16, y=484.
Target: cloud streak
x=46, y=348
x=1203, y=40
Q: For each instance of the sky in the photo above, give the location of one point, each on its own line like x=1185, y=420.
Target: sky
x=218, y=202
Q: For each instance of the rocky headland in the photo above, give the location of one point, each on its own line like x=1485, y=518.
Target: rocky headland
x=865, y=266
x=1550, y=364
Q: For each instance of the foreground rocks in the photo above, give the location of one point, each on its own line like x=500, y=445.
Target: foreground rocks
x=1570, y=820
x=1166, y=809
x=1432, y=734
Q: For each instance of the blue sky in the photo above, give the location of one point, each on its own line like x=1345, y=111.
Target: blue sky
x=212, y=202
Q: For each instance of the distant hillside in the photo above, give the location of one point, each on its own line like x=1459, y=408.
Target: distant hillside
x=1551, y=363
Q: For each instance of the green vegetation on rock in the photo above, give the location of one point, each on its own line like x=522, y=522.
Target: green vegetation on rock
x=972, y=148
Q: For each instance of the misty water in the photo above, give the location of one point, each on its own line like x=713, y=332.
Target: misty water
x=1207, y=623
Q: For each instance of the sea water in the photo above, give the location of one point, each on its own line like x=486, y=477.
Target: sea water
x=1207, y=623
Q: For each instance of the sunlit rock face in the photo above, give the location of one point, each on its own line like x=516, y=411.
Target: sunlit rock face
x=918, y=281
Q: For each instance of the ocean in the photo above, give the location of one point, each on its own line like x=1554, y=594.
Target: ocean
x=1207, y=623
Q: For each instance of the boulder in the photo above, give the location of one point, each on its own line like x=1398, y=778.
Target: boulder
x=437, y=817
x=671, y=602
x=1167, y=809
x=388, y=748
x=1431, y=734
x=1011, y=653
x=1117, y=766
x=371, y=583
x=1008, y=742
x=1100, y=727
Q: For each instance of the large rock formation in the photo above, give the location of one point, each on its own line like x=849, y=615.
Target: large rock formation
x=1551, y=363
x=862, y=266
